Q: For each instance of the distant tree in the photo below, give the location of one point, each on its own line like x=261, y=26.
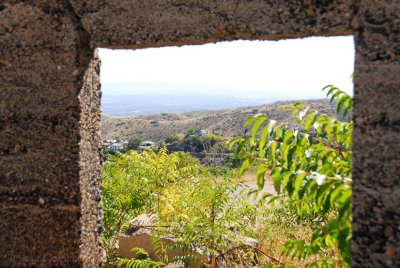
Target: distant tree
x=171, y=139
x=210, y=140
x=195, y=143
x=190, y=132
x=133, y=144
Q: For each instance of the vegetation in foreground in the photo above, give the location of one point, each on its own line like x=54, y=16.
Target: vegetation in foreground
x=307, y=223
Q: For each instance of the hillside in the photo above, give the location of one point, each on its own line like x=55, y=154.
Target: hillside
x=222, y=122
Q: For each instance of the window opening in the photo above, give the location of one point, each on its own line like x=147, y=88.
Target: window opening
x=190, y=101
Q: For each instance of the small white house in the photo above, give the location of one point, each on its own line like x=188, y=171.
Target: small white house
x=201, y=133
x=116, y=147
x=147, y=145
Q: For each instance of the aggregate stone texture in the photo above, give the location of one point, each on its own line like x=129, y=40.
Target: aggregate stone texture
x=49, y=176
x=376, y=147
x=90, y=167
x=50, y=165
x=149, y=23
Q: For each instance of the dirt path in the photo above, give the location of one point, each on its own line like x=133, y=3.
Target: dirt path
x=250, y=184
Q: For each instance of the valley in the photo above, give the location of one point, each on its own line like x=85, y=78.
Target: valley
x=226, y=123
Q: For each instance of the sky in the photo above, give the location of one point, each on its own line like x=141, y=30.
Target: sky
x=299, y=68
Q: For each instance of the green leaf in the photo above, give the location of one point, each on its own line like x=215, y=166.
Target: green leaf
x=245, y=166
x=345, y=209
x=240, y=147
x=335, y=96
x=326, y=87
x=274, y=146
x=330, y=242
x=347, y=110
x=286, y=178
x=309, y=183
x=250, y=120
x=288, y=152
x=335, y=193
x=263, y=141
x=288, y=136
x=340, y=104
x=289, y=186
x=280, y=132
x=261, y=176
x=299, y=181
x=298, y=105
x=260, y=120
x=285, y=154
x=276, y=179
x=296, y=108
x=310, y=121
x=233, y=141
x=322, y=192
x=346, y=195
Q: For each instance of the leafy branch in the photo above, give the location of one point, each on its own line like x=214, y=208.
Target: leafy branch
x=311, y=171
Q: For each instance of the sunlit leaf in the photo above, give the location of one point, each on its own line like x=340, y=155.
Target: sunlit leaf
x=277, y=179
x=245, y=166
x=260, y=176
x=259, y=121
x=263, y=141
x=299, y=181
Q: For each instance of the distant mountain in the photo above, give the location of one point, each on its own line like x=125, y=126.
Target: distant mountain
x=227, y=123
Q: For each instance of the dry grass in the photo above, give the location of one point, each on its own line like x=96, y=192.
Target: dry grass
x=273, y=232
x=275, y=228
x=250, y=176
x=226, y=123
x=273, y=235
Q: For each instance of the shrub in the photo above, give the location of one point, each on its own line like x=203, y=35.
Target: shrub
x=311, y=176
x=134, y=183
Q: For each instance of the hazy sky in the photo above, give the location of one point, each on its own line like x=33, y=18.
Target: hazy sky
x=298, y=67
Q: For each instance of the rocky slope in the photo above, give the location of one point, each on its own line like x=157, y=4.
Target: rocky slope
x=222, y=122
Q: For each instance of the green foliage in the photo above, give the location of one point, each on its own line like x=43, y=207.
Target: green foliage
x=310, y=166
x=172, y=138
x=204, y=212
x=142, y=260
x=195, y=143
x=135, y=183
x=133, y=144
x=344, y=101
x=232, y=161
x=311, y=172
x=219, y=171
x=190, y=132
x=198, y=208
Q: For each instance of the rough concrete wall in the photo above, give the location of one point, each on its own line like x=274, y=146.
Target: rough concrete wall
x=149, y=23
x=146, y=242
x=90, y=168
x=44, y=54
x=376, y=165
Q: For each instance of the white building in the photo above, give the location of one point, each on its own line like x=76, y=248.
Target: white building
x=116, y=147
x=147, y=145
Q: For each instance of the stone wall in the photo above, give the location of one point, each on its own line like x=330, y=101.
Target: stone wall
x=376, y=159
x=44, y=186
x=90, y=167
x=50, y=212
